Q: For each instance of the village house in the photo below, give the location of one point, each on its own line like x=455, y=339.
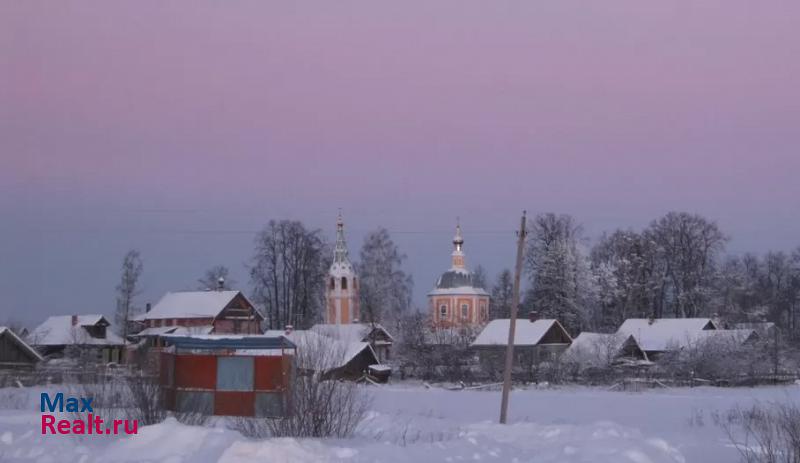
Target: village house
x=16, y=353
x=228, y=375
x=333, y=358
x=373, y=333
x=604, y=349
x=457, y=300
x=535, y=341
x=88, y=337
x=200, y=312
x=659, y=335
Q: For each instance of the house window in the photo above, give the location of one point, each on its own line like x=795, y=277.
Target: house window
x=443, y=311
x=344, y=283
x=464, y=311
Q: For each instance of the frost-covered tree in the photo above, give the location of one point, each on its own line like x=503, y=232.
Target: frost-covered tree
x=287, y=272
x=624, y=267
x=561, y=283
x=385, y=289
x=502, y=293
x=211, y=279
x=127, y=290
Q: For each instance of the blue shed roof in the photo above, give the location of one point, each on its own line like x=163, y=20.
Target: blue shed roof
x=212, y=342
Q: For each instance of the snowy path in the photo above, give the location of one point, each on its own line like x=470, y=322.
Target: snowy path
x=412, y=424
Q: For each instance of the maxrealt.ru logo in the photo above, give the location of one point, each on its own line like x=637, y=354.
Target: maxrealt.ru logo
x=93, y=424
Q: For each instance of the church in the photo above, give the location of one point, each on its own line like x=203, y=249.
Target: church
x=457, y=301
x=341, y=294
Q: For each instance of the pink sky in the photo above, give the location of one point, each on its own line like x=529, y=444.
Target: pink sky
x=121, y=124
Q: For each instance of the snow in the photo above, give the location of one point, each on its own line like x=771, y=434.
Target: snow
x=470, y=290
x=738, y=336
x=20, y=342
x=380, y=367
x=191, y=304
x=59, y=331
x=526, y=333
x=411, y=423
x=352, y=332
x=663, y=333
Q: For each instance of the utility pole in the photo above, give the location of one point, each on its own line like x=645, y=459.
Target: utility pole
x=513, y=322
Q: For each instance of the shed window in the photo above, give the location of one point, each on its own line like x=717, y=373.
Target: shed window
x=234, y=373
x=443, y=311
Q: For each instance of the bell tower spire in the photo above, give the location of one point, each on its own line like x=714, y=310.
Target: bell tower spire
x=341, y=294
x=458, y=244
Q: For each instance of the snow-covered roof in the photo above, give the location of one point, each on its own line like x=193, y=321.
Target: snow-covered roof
x=526, y=333
x=737, y=336
x=22, y=344
x=59, y=331
x=587, y=340
x=191, y=304
x=350, y=332
x=661, y=334
x=468, y=290
x=176, y=330
x=340, y=353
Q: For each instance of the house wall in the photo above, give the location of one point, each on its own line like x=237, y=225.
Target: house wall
x=11, y=352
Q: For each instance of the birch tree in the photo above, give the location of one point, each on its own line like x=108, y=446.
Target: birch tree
x=127, y=290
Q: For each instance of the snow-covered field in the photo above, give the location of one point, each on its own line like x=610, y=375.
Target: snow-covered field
x=409, y=423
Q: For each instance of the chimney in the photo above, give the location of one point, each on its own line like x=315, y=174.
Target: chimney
x=74, y=320
x=533, y=316
x=147, y=308
x=220, y=284
x=289, y=329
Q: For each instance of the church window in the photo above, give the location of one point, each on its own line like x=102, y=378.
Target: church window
x=464, y=311
x=443, y=311
x=344, y=283
x=333, y=283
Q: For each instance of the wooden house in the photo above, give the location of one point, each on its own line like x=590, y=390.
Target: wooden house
x=14, y=352
x=88, y=337
x=658, y=335
x=333, y=358
x=373, y=333
x=535, y=341
x=200, y=312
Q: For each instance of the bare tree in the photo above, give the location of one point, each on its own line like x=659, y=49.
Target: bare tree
x=127, y=290
x=288, y=273
x=500, y=304
x=214, y=277
x=688, y=245
x=385, y=291
x=316, y=406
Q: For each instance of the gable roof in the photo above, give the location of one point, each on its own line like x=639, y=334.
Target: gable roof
x=351, y=332
x=342, y=352
x=526, y=333
x=661, y=334
x=191, y=304
x=5, y=331
x=59, y=331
